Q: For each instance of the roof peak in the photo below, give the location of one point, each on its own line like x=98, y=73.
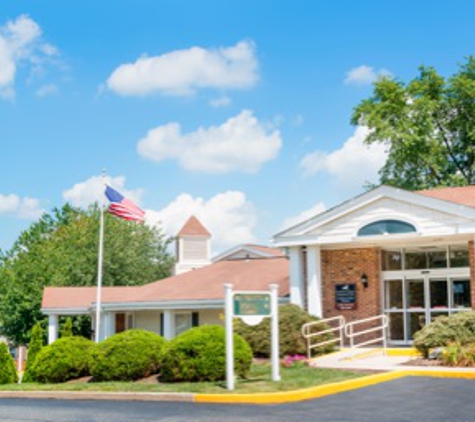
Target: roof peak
x=193, y=227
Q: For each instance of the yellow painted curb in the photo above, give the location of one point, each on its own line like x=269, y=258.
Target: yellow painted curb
x=328, y=389
x=403, y=352
x=299, y=395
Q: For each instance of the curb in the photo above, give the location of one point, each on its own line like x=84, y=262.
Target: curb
x=260, y=398
x=97, y=395
x=328, y=389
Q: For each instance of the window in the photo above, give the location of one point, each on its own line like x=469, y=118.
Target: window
x=392, y=260
x=385, y=227
x=183, y=322
x=461, y=293
x=459, y=256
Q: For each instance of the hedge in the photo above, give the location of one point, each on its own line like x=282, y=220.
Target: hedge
x=128, y=356
x=65, y=359
x=199, y=354
x=291, y=341
x=457, y=328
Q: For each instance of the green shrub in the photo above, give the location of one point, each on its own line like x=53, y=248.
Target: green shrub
x=456, y=354
x=291, y=341
x=8, y=374
x=66, y=329
x=65, y=359
x=199, y=354
x=457, y=328
x=128, y=356
x=35, y=346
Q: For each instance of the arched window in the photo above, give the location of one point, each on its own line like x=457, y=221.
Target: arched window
x=383, y=227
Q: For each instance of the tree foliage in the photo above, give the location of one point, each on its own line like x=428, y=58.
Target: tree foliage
x=61, y=250
x=428, y=126
x=35, y=346
x=8, y=374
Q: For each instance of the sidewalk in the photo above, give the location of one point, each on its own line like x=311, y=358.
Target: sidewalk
x=375, y=359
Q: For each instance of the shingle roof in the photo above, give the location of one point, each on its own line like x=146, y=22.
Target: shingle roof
x=193, y=227
x=204, y=283
x=464, y=195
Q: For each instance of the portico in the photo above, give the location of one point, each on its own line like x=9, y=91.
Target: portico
x=406, y=254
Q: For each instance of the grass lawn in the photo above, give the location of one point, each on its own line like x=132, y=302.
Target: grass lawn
x=258, y=381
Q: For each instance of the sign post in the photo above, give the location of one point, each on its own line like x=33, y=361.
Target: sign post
x=275, y=332
x=228, y=323
x=252, y=307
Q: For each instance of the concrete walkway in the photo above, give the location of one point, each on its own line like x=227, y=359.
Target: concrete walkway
x=375, y=359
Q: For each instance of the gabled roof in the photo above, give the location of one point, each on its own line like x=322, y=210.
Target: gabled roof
x=259, y=251
x=202, y=284
x=464, y=195
x=193, y=227
x=415, y=198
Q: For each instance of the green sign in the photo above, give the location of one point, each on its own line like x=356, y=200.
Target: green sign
x=257, y=304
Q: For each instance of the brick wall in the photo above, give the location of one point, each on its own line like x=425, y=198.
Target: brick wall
x=347, y=266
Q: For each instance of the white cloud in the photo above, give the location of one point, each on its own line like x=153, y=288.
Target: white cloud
x=364, y=75
x=318, y=208
x=181, y=72
x=47, y=90
x=92, y=190
x=241, y=143
x=352, y=165
x=20, y=40
x=223, y=101
x=25, y=208
x=228, y=216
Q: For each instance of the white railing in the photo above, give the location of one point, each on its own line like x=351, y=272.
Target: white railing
x=312, y=331
x=351, y=331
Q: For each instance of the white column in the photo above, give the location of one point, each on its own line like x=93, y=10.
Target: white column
x=296, y=282
x=168, y=324
x=53, y=328
x=314, y=280
x=108, y=325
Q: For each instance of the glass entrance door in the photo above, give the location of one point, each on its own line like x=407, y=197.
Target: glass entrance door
x=412, y=302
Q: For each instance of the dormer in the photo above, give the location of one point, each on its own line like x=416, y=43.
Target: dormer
x=193, y=246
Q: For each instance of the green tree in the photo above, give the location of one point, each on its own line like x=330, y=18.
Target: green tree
x=428, y=126
x=66, y=329
x=8, y=374
x=61, y=250
x=35, y=346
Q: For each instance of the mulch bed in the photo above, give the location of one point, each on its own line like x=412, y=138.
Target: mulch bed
x=422, y=362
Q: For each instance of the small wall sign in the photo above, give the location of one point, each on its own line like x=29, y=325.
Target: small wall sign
x=345, y=297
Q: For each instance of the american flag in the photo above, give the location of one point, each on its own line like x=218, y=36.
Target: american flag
x=123, y=207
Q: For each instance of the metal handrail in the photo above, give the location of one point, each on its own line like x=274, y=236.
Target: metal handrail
x=309, y=335
x=351, y=334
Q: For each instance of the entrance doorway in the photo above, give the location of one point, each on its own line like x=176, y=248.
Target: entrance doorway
x=411, y=301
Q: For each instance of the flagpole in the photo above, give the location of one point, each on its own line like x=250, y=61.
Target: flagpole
x=99, y=267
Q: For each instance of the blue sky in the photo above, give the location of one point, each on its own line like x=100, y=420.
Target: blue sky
x=237, y=111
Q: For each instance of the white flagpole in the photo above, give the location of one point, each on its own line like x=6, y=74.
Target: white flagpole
x=99, y=267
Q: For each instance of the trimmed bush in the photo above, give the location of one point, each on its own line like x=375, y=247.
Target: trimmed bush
x=8, y=374
x=128, y=356
x=291, y=341
x=65, y=359
x=457, y=328
x=35, y=346
x=199, y=354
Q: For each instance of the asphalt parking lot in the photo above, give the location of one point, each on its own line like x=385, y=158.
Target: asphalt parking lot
x=410, y=399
